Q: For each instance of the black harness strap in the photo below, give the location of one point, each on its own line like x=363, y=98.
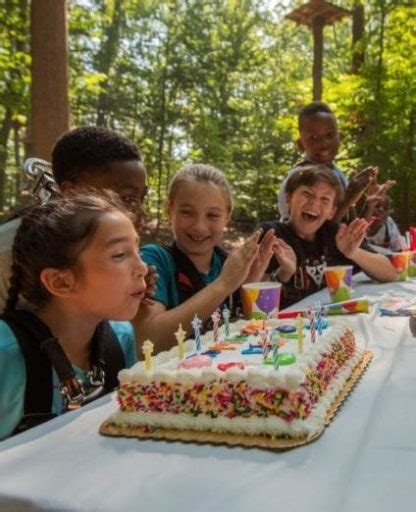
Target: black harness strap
x=41, y=352
x=38, y=391
x=189, y=280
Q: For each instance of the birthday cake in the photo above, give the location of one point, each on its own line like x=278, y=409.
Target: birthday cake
x=258, y=380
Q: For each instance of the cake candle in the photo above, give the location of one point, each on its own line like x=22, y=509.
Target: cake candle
x=311, y=316
x=275, y=355
x=180, y=337
x=147, y=349
x=196, y=324
x=226, y=317
x=216, y=322
x=299, y=332
x=264, y=342
x=318, y=309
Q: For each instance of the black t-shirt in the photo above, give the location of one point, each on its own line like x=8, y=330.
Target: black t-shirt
x=312, y=258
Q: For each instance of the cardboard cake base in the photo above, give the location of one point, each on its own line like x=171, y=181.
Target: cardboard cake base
x=268, y=442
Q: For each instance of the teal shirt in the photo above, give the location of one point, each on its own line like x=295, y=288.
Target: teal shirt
x=167, y=290
x=13, y=374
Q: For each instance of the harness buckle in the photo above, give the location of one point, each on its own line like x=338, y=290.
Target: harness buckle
x=73, y=393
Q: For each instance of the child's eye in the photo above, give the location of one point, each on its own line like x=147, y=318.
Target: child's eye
x=118, y=255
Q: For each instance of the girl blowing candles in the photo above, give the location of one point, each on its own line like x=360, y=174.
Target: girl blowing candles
x=195, y=275
x=75, y=261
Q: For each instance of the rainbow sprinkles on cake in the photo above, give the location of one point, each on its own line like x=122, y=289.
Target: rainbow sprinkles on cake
x=260, y=379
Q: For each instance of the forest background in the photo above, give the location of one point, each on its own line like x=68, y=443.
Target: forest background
x=221, y=82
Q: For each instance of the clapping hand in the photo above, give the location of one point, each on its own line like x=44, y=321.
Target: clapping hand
x=265, y=254
x=239, y=262
x=286, y=257
x=376, y=193
x=349, y=238
x=356, y=188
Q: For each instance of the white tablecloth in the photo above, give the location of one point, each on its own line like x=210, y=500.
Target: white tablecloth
x=365, y=461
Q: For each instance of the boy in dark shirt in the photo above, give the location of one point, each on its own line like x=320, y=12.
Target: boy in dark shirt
x=309, y=241
x=319, y=138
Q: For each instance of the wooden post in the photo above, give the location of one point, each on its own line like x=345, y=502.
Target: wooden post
x=49, y=100
x=315, y=15
x=318, y=51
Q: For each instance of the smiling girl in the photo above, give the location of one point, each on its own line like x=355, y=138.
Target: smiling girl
x=195, y=275
x=310, y=240
x=75, y=261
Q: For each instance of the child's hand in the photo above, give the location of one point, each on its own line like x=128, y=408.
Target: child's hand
x=265, y=254
x=150, y=279
x=286, y=257
x=360, y=182
x=349, y=238
x=239, y=262
x=356, y=188
x=376, y=193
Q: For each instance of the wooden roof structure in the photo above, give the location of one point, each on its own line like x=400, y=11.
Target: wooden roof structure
x=315, y=15
x=329, y=13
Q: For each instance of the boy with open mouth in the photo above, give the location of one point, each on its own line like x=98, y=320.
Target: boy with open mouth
x=310, y=240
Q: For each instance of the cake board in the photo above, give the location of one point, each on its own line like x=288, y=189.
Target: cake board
x=220, y=438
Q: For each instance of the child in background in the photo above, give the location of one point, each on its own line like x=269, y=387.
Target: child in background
x=88, y=156
x=75, y=260
x=195, y=275
x=310, y=240
x=383, y=233
x=319, y=138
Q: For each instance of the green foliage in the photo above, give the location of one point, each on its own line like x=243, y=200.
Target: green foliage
x=221, y=81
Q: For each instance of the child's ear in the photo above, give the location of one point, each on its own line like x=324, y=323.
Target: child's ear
x=59, y=283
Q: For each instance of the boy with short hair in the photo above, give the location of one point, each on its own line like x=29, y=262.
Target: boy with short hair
x=87, y=156
x=310, y=240
x=319, y=138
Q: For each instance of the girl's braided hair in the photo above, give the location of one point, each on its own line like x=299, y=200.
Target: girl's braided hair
x=52, y=236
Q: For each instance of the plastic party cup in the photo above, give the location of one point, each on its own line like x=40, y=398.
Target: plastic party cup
x=261, y=300
x=338, y=280
x=400, y=261
x=411, y=271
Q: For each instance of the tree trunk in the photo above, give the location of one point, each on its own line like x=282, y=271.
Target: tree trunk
x=50, y=110
x=106, y=58
x=17, y=160
x=318, y=50
x=358, y=25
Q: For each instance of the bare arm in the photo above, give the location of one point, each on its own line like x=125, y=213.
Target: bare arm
x=159, y=324
x=348, y=240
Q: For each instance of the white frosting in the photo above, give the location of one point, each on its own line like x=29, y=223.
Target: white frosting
x=256, y=374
